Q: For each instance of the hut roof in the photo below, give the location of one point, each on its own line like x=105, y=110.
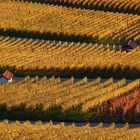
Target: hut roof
x=8, y=75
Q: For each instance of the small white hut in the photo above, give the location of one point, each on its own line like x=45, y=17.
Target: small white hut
x=7, y=77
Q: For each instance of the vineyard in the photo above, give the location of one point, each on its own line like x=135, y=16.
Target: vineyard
x=65, y=95
x=57, y=57
x=125, y=6
x=98, y=26
x=38, y=130
x=66, y=63
x=121, y=5
x=123, y=107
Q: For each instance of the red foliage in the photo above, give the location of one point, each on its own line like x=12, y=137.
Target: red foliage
x=127, y=106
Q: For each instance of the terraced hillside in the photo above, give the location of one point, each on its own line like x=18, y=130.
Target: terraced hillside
x=116, y=5
x=66, y=40
x=65, y=58
x=53, y=94
x=60, y=131
x=106, y=27
x=124, y=6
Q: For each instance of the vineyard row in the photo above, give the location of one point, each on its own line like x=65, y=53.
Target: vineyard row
x=68, y=94
x=28, y=54
x=26, y=130
x=125, y=6
x=45, y=18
